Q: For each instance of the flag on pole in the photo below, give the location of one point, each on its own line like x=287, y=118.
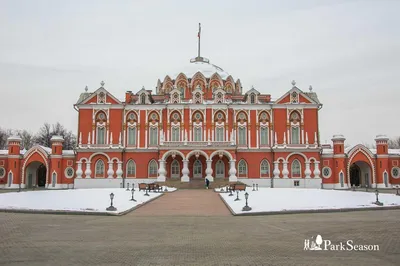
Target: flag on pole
x=198, y=35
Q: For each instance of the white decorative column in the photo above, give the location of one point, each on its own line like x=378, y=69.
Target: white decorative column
x=119, y=170
x=285, y=171
x=317, y=172
x=88, y=172
x=209, y=171
x=307, y=172
x=232, y=171
x=276, y=139
x=185, y=171
x=276, y=170
x=79, y=171
x=110, y=171
x=161, y=171
x=80, y=139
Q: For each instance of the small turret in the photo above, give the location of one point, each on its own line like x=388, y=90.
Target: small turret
x=338, y=144
x=56, y=145
x=381, y=144
x=14, y=145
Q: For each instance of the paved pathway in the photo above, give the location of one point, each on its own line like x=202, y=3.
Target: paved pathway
x=188, y=202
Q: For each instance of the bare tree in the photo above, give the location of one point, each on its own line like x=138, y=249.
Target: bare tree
x=47, y=131
x=369, y=145
x=394, y=143
x=4, y=135
x=27, y=139
x=44, y=135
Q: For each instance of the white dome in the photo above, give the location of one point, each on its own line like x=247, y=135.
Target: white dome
x=206, y=69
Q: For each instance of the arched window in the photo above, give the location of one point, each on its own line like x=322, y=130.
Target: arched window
x=132, y=136
x=175, y=171
x=197, y=136
x=296, y=168
x=197, y=169
x=242, y=166
x=131, y=168
x=341, y=179
x=219, y=134
x=99, y=168
x=10, y=179
x=153, y=168
x=153, y=136
x=264, y=168
x=54, y=180
x=175, y=134
x=252, y=98
x=264, y=136
x=242, y=136
x=295, y=127
x=143, y=98
x=385, y=179
x=101, y=135
x=295, y=135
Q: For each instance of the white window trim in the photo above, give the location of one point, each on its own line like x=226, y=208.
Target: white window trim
x=246, y=168
x=330, y=172
x=127, y=168
x=66, y=172
x=96, y=174
x=153, y=164
x=398, y=172
x=269, y=169
x=291, y=169
x=4, y=172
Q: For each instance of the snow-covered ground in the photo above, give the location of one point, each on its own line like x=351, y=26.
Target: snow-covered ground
x=77, y=200
x=293, y=199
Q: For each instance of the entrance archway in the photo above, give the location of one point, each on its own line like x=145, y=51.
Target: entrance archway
x=360, y=174
x=35, y=175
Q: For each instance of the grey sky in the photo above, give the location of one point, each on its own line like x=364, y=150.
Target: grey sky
x=347, y=50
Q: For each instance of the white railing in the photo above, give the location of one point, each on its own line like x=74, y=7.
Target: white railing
x=99, y=146
x=197, y=143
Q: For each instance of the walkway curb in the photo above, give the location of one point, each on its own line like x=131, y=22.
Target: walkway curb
x=79, y=213
x=308, y=211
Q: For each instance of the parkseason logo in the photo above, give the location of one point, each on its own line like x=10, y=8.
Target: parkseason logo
x=318, y=243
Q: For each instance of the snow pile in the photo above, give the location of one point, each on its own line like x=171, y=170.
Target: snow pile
x=78, y=200
x=292, y=199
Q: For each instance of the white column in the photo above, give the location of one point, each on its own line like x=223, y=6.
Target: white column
x=212, y=135
x=145, y=138
x=93, y=138
x=232, y=171
x=80, y=138
x=108, y=134
x=119, y=170
x=317, y=172
x=258, y=137
x=185, y=171
x=161, y=171
x=285, y=170
x=79, y=170
x=88, y=172
x=110, y=171
x=307, y=172
x=209, y=171
x=226, y=133
x=138, y=138
x=302, y=136
x=276, y=139
x=276, y=170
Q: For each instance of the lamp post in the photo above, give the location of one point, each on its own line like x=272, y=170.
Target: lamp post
x=230, y=192
x=237, y=195
x=397, y=190
x=377, y=202
x=133, y=186
x=353, y=187
x=111, y=208
x=165, y=189
x=19, y=187
x=147, y=194
x=253, y=187
x=127, y=188
x=246, y=207
x=133, y=191
x=366, y=187
x=257, y=187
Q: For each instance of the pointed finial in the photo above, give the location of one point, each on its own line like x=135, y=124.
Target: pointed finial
x=310, y=88
x=86, y=88
x=143, y=88
x=102, y=83
x=252, y=87
x=293, y=83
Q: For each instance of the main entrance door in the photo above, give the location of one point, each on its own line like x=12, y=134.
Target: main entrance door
x=197, y=169
x=220, y=169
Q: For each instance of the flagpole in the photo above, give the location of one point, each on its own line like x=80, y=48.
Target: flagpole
x=199, y=40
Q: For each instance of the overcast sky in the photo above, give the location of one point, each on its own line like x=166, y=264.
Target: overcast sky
x=349, y=51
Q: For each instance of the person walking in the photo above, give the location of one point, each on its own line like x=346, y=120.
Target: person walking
x=207, y=183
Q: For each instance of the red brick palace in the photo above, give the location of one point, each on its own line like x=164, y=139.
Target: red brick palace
x=199, y=124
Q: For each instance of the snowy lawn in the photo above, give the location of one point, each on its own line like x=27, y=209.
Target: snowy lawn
x=75, y=200
x=294, y=199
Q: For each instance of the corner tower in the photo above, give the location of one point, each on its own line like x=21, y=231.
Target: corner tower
x=382, y=162
x=339, y=162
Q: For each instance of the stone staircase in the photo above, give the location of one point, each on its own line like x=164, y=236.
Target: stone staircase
x=196, y=183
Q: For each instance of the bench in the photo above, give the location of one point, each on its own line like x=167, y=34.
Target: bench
x=239, y=187
x=151, y=186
